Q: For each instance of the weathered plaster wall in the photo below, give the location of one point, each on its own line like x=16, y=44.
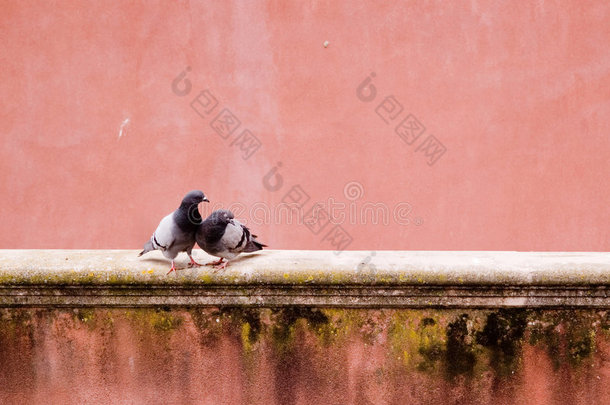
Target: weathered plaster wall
x=306, y=327
x=97, y=147
x=304, y=356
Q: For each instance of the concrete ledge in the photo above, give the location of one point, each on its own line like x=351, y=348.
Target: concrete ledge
x=275, y=278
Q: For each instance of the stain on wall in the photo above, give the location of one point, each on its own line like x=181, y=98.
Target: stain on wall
x=304, y=356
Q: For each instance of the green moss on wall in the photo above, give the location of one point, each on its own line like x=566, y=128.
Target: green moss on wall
x=569, y=336
x=433, y=342
x=159, y=319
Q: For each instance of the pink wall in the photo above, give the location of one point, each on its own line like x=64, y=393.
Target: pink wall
x=518, y=93
x=203, y=356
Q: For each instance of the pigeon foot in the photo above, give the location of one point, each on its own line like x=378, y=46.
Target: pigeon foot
x=216, y=263
x=193, y=263
x=173, y=268
x=221, y=266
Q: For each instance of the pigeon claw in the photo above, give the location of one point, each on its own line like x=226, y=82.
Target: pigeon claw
x=173, y=268
x=193, y=263
x=216, y=263
x=221, y=266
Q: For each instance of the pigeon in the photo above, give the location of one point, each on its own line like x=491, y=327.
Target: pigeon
x=176, y=232
x=223, y=236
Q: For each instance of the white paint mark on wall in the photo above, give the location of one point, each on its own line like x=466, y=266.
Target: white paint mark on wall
x=123, y=125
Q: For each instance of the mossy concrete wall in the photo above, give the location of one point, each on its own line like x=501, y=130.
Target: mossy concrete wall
x=162, y=350
x=301, y=355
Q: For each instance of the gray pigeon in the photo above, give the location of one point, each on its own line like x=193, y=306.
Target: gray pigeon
x=223, y=236
x=176, y=232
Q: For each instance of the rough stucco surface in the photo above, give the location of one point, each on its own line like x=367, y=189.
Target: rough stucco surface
x=311, y=267
x=97, y=148
x=309, y=278
x=91, y=349
x=304, y=356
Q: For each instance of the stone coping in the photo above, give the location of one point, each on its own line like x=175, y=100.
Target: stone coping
x=311, y=278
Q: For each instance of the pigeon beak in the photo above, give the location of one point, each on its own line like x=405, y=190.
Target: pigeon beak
x=205, y=199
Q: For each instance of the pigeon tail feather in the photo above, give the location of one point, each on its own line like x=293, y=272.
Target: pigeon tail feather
x=253, y=246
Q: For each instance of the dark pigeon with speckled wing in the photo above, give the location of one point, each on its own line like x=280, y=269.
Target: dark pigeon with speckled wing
x=176, y=232
x=223, y=236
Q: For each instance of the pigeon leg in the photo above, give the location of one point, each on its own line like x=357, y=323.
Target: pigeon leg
x=173, y=268
x=216, y=263
x=193, y=263
x=220, y=266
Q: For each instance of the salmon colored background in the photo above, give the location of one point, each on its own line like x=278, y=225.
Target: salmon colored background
x=97, y=146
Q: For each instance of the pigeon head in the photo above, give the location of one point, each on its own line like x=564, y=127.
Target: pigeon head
x=194, y=197
x=222, y=216
x=188, y=209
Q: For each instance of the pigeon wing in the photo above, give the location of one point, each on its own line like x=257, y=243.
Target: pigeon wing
x=235, y=237
x=163, y=238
